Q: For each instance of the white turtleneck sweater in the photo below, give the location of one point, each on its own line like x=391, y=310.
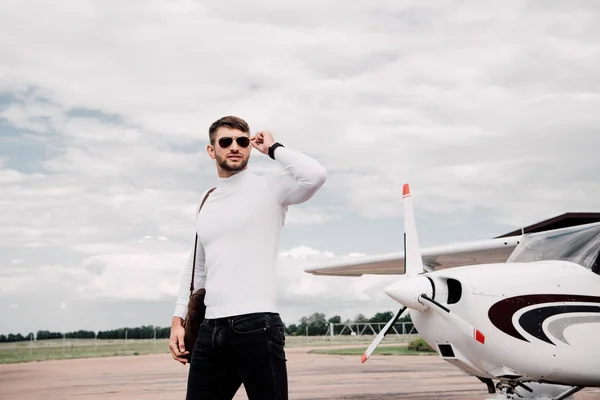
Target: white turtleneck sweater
x=238, y=230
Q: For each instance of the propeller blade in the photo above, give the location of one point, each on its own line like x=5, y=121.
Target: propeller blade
x=413, y=261
x=401, y=312
x=453, y=318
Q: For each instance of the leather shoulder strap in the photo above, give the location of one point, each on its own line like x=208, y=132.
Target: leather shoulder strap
x=205, y=197
x=196, y=244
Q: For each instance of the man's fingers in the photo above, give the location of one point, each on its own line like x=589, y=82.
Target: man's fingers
x=182, y=349
x=177, y=354
x=177, y=345
x=174, y=349
x=177, y=357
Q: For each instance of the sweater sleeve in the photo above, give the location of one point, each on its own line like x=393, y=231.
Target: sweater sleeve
x=302, y=178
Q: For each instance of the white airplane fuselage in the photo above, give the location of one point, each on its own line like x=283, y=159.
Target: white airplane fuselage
x=540, y=321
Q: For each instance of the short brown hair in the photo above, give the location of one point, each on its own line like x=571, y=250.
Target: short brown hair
x=229, y=121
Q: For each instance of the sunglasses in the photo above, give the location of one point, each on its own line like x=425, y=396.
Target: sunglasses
x=242, y=141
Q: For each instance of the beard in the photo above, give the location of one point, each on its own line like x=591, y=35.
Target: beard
x=227, y=165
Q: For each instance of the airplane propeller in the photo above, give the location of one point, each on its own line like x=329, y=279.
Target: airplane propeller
x=408, y=290
x=400, y=314
x=413, y=265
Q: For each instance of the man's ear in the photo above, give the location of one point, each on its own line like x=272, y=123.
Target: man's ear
x=211, y=151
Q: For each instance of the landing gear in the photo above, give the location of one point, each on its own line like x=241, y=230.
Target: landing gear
x=533, y=391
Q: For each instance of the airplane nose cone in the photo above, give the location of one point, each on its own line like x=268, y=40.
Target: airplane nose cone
x=407, y=291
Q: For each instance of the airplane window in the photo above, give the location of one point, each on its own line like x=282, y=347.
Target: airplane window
x=579, y=244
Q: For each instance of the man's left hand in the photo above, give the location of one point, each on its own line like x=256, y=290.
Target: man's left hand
x=262, y=141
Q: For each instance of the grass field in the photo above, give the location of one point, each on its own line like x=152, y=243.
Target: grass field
x=78, y=348
x=382, y=350
x=88, y=348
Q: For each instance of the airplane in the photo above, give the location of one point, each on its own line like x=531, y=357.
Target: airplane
x=520, y=313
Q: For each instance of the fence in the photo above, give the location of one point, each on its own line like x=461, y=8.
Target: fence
x=406, y=328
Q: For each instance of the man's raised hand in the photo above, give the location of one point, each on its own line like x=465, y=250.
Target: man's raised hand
x=262, y=141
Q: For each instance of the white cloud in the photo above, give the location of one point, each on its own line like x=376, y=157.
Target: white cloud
x=303, y=252
x=404, y=102
x=356, y=255
x=12, y=285
x=10, y=176
x=156, y=277
x=487, y=109
x=32, y=115
x=301, y=293
x=154, y=273
x=145, y=275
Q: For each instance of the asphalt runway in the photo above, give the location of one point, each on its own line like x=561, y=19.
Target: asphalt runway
x=312, y=376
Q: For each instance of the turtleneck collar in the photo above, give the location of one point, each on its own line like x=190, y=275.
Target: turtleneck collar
x=234, y=180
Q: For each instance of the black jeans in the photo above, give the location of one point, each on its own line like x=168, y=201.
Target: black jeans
x=246, y=349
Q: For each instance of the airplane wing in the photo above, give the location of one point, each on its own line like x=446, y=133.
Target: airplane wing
x=440, y=257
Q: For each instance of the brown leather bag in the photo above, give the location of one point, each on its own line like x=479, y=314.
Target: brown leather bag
x=196, y=307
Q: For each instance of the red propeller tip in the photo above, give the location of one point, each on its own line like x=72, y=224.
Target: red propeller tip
x=363, y=358
x=406, y=190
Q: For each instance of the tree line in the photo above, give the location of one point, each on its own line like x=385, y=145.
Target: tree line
x=316, y=324
x=142, y=332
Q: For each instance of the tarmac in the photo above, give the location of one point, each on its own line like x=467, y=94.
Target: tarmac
x=311, y=376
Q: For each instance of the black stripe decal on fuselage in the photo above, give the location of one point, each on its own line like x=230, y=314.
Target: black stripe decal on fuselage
x=533, y=320
x=501, y=313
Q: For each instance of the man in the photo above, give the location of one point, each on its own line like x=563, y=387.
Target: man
x=242, y=337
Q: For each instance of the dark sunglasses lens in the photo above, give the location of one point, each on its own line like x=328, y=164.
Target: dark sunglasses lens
x=243, y=141
x=225, y=142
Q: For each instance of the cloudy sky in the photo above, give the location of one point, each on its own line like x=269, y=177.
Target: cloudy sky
x=490, y=111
